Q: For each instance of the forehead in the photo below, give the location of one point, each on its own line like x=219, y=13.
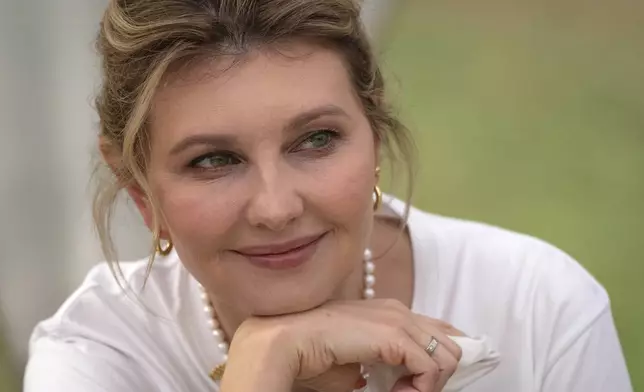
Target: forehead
x=251, y=91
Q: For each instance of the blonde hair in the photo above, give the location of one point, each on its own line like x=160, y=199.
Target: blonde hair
x=141, y=41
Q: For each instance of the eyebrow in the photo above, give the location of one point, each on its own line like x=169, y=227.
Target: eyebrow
x=221, y=141
x=308, y=116
x=225, y=141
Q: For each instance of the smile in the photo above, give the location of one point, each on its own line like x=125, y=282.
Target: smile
x=286, y=255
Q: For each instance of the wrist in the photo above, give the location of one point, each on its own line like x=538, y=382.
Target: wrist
x=260, y=359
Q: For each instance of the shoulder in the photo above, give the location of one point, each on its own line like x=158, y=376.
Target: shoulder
x=486, y=276
x=501, y=257
x=532, y=299
x=120, y=334
x=114, y=304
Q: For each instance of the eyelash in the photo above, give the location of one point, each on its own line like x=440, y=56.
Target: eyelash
x=332, y=133
x=194, y=164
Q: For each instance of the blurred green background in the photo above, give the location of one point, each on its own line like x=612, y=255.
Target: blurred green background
x=531, y=116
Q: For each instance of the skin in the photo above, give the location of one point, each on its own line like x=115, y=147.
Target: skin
x=266, y=150
x=281, y=188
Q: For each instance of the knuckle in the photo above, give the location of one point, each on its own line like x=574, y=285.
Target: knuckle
x=275, y=331
x=398, y=324
x=459, y=353
x=393, y=351
x=452, y=365
x=445, y=326
x=394, y=304
x=316, y=357
x=450, y=329
x=249, y=326
x=396, y=331
x=397, y=313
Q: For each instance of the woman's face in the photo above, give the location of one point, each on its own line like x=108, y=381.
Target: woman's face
x=264, y=171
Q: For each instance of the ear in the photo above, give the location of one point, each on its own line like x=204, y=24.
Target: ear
x=112, y=157
x=142, y=204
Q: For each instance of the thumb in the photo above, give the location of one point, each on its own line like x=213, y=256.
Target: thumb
x=338, y=378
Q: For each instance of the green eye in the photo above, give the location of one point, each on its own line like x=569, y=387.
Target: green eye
x=318, y=140
x=214, y=161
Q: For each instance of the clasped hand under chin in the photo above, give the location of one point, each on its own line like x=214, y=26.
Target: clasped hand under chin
x=328, y=348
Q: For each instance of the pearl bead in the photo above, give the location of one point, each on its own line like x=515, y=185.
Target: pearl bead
x=223, y=346
x=369, y=267
x=367, y=254
x=218, y=333
x=369, y=280
x=212, y=323
x=369, y=293
x=209, y=310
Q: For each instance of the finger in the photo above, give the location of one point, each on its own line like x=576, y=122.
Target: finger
x=395, y=310
x=440, y=330
x=430, y=372
x=447, y=365
x=444, y=326
x=338, y=378
x=445, y=360
x=423, y=335
x=404, y=384
x=376, y=334
x=426, y=382
x=424, y=371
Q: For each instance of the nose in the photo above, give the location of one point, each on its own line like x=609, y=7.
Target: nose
x=276, y=202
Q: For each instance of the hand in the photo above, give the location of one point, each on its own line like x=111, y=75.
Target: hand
x=322, y=348
x=339, y=378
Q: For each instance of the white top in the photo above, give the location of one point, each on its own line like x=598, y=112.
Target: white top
x=549, y=319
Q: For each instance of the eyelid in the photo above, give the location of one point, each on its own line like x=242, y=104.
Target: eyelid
x=193, y=162
x=333, y=131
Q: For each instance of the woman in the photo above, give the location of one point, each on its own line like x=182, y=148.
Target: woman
x=249, y=133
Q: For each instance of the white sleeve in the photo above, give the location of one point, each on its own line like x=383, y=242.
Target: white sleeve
x=81, y=366
x=592, y=363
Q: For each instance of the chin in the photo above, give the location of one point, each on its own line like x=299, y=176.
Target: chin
x=276, y=304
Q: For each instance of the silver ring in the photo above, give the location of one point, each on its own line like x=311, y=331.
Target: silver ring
x=432, y=346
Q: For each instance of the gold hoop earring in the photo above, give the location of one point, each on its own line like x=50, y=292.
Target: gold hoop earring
x=377, y=198
x=164, y=251
x=377, y=194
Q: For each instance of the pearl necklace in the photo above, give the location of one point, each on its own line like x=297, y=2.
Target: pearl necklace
x=368, y=292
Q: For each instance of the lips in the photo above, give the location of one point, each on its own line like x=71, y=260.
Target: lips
x=284, y=255
x=281, y=248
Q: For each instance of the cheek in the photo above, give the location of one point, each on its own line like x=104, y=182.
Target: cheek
x=198, y=216
x=349, y=196
x=346, y=196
